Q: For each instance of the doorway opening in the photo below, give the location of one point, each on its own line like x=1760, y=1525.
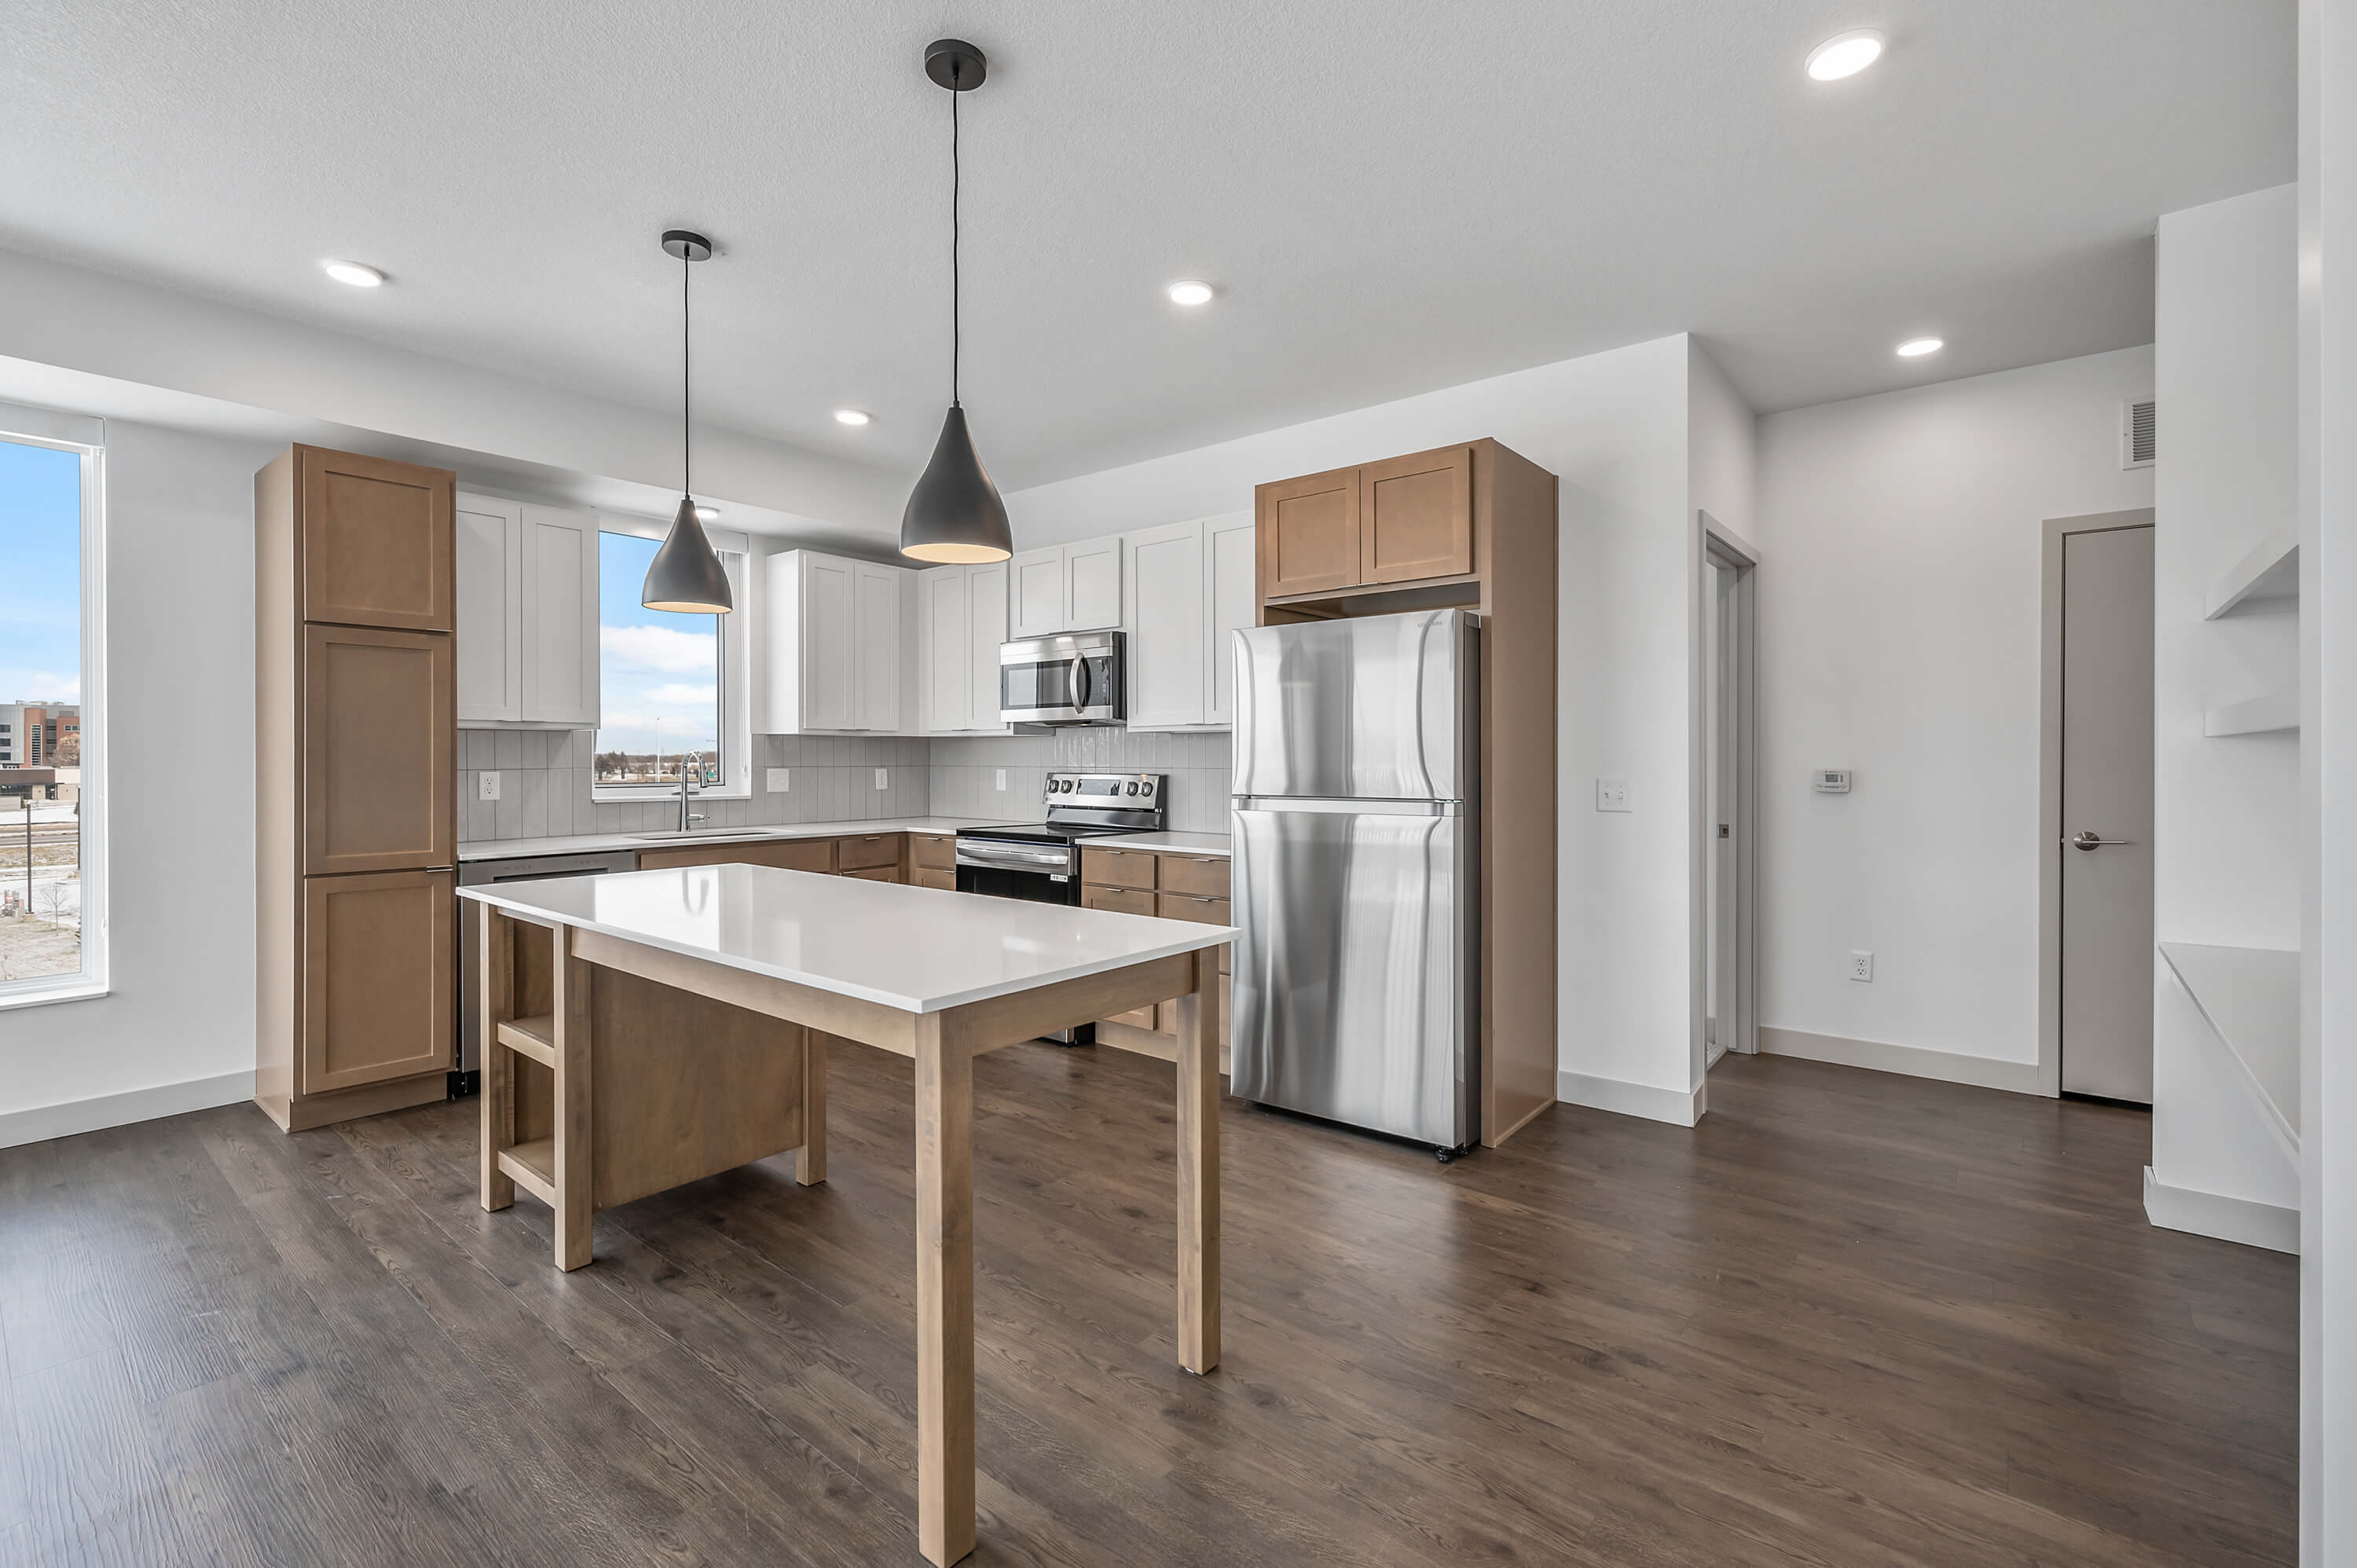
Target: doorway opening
x=2095, y=861
x=1725, y=839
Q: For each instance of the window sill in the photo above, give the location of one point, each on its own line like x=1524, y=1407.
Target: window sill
x=64, y=990
x=666, y=797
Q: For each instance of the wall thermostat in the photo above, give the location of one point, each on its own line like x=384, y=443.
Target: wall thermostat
x=1832, y=780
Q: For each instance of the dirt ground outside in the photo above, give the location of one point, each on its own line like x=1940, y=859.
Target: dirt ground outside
x=32, y=948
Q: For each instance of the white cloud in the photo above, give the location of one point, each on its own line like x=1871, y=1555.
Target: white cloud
x=38, y=687
x=682, y=696
x=658, y=648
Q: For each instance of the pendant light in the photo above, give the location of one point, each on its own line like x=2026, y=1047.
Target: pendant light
x=955, y=513
x=686, y=576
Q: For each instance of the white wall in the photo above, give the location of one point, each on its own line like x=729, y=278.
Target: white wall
x=2225, y=820
x=1899, y=597
x=1613, y=426
x=177, y=1029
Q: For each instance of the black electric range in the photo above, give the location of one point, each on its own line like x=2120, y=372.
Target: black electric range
x=1041, y=861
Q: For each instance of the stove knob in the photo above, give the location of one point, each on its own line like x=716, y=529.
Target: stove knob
x=1133, y=788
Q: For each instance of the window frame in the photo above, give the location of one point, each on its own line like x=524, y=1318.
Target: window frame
x=735, y=550
x=86, y=436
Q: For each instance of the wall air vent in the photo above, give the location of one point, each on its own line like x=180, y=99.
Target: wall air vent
x=2137, y=434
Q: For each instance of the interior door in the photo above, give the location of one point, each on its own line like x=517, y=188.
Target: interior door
x=379, y=791
x=378, y=542
x=1310, y=534
x=379, y=960
x=1416, y=516
x=2107, y=943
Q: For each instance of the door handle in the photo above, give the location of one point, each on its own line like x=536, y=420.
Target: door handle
x=1080, y=681
x=2085, y=840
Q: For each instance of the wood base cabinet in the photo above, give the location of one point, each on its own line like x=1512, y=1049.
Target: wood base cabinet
x=355, y=786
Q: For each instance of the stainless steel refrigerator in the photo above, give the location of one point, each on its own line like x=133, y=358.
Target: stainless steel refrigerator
x=1355, y=878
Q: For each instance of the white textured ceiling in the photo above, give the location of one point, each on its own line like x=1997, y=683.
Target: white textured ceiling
x=1392, y=196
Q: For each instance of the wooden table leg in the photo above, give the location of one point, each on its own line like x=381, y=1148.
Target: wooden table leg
x=575, y=1192
x=810, y=1160
x=1199, y=1170
x=495, y=950
x=945, y=1295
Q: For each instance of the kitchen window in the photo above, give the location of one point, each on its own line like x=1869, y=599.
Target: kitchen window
x=52, y=821
x=669, y=685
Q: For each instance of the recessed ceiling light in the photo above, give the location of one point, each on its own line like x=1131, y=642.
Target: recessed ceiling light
x=850, y=416
x=1844, y=55
x=1916, y=347
x=1187, y=290
x=356, y=274
x=706, y=513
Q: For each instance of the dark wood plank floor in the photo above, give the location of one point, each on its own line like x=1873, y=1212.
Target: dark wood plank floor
x=1854, y=1318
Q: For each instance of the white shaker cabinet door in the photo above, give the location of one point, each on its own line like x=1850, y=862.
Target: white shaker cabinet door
x=1092, y=585
x=1233, y=603
x=1035, y=589
x=490, y=643
x=986, y=625
x=829, y=606
x=1167, y=626
x=878, y=666
x=560, y=616
x=944, y=650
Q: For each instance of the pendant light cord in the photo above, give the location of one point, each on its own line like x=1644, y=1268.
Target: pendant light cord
x=686, y=430
x=956, y=281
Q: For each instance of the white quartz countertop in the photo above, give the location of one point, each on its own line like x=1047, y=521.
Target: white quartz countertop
x=1175, y=844
x=921, y=949
x=600, y=844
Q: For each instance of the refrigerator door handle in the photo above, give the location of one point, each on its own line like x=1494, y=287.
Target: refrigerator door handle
x=1349, y=808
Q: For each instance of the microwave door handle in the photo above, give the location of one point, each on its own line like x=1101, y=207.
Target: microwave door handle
x=1080, y=681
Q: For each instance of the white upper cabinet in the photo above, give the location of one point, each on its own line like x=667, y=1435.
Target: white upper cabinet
x=559, y=594
x=1168, y=625
x=1229, y=594
x=1190, y=587
x=1066, y=587
x=527, y=637
x=961, y=621
x=835, y=646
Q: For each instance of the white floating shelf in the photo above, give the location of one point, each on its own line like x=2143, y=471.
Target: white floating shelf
x=2267, y=578
x=2275, y=711
x=2250, y=999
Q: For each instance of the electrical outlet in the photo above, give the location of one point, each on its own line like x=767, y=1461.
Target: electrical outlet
x=780, y=781
x=1861, y=965
x=1001, y=783
x=487, y=787
x=1613, y=795
x=883, y=779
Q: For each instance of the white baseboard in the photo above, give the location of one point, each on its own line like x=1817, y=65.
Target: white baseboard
x=2244, y=1219
x=1915, y=1061
x=43, y=1123
x=1631, y=1098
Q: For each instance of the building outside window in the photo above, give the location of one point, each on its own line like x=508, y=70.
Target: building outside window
x=670, y=684
x=52, y=888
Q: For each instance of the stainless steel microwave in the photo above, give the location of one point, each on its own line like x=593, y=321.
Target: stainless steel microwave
x=1075, y=679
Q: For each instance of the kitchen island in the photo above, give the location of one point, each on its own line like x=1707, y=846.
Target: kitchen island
x=663, y=1025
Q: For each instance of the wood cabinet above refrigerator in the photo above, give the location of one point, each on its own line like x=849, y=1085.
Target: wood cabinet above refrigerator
x=373, y=540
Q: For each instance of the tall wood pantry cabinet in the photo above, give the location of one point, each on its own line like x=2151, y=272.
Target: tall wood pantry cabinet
x=355, y=793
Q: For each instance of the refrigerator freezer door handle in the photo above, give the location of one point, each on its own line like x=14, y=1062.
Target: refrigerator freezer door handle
x=1349, y=808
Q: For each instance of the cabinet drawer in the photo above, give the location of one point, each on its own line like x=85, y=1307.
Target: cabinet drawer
x=939, y=877
x=1120, y=900
x=1208, y=910
x=1118, y=868
x=1205, y=875
x=933, y=851
x=875, y=874
x=867, y=850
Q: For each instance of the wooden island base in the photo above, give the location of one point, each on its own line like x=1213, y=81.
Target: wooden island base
x=615, y=1068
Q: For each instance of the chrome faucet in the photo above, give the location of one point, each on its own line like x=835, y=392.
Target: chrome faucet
x=685, y=775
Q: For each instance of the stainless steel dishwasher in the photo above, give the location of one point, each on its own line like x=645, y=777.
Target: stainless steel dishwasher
x=480, y=873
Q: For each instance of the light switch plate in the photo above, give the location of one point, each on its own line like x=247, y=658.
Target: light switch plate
x=487, y=786
x=780, y=781
x=883, y=779
x=1001, y=784
x=1861, y=965
x=1613, y=795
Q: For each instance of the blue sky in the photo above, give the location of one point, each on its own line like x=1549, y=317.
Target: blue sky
x=40, y=554
x=661, y=670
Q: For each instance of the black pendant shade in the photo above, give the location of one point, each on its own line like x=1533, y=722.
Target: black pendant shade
x=686, y=576
x=955, y=513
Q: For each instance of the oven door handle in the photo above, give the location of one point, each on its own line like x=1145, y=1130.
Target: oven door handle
x=1013, y=859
